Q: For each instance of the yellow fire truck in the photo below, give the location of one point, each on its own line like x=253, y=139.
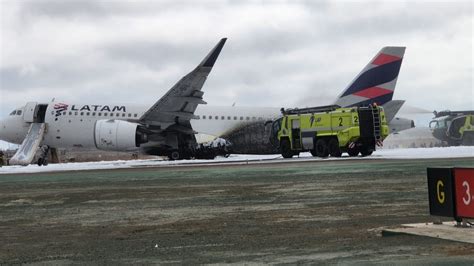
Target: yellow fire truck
x=454, y=127
x=329, y=130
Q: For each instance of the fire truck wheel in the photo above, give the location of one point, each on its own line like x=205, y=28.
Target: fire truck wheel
x=322, y=148
x=353, y=151
x=334, y=149
x=285, y=148
x=174, y=155
x=365, y=151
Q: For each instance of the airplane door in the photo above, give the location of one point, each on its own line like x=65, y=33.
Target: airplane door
x=29, y=112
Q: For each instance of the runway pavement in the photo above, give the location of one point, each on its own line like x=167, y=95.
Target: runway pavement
x=286, y=212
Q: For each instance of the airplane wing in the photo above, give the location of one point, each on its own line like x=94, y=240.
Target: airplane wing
x=179, y=103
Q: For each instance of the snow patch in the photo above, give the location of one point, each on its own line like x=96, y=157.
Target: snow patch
x=405, y=153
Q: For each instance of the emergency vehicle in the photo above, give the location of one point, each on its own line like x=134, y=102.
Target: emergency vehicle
x=330, y=130
x=454, y=127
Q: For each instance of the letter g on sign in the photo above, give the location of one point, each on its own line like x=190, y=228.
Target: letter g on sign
x=440, y=192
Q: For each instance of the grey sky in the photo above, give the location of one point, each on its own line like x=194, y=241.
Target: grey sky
x=279, y=53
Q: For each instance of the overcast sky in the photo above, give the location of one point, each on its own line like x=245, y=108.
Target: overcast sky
x=278, y=53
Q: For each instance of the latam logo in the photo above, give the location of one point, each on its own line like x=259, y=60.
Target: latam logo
x=99, y=108
x=59, y=108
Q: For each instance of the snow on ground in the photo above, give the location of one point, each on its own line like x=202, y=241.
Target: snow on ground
x=406, y=153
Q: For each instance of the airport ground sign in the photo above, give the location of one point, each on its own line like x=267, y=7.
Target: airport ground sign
x=464, y=188
x=451, y=192
x=440, y=192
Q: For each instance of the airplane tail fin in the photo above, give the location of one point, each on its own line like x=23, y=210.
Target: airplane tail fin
x=376, y=82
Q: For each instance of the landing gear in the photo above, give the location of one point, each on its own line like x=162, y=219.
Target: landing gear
x=43, y=159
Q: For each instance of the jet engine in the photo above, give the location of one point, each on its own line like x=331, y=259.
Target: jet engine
x=118, y=135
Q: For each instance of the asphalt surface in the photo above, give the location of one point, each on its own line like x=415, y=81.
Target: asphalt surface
x=290, y=212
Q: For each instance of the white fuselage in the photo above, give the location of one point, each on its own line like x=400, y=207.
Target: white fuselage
x=73, y=125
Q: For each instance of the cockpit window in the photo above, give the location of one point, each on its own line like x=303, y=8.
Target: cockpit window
x=18, y=112
x=13, y=113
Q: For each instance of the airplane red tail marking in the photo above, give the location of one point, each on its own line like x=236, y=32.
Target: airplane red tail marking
x=372, y=92
x=384, y=59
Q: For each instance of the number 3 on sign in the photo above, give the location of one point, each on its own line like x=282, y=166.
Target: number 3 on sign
x=467, y=198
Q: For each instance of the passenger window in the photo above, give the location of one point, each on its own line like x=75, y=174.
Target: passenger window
x=210, y=117
x=88, y=114
x=117, y=114
x=135, y=115
x=216, y=117
x=93, y=114
x=228, y=118
x=13, y=113
x=129, y=115
x=235, y=117
x=64, y=113
x=123, y=115
x=99, y=114
x=203, y=117
x=70, y=113
x=241, y=118
x=222, y=117
x=18, y=112
x=75, y=113
x=82, y=113
x=247, y=118
x=105, y=114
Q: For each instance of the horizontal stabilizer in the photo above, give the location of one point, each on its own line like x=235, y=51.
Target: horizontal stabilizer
x=391, y=108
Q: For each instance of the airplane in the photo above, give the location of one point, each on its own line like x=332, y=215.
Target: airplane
x=177, y=123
